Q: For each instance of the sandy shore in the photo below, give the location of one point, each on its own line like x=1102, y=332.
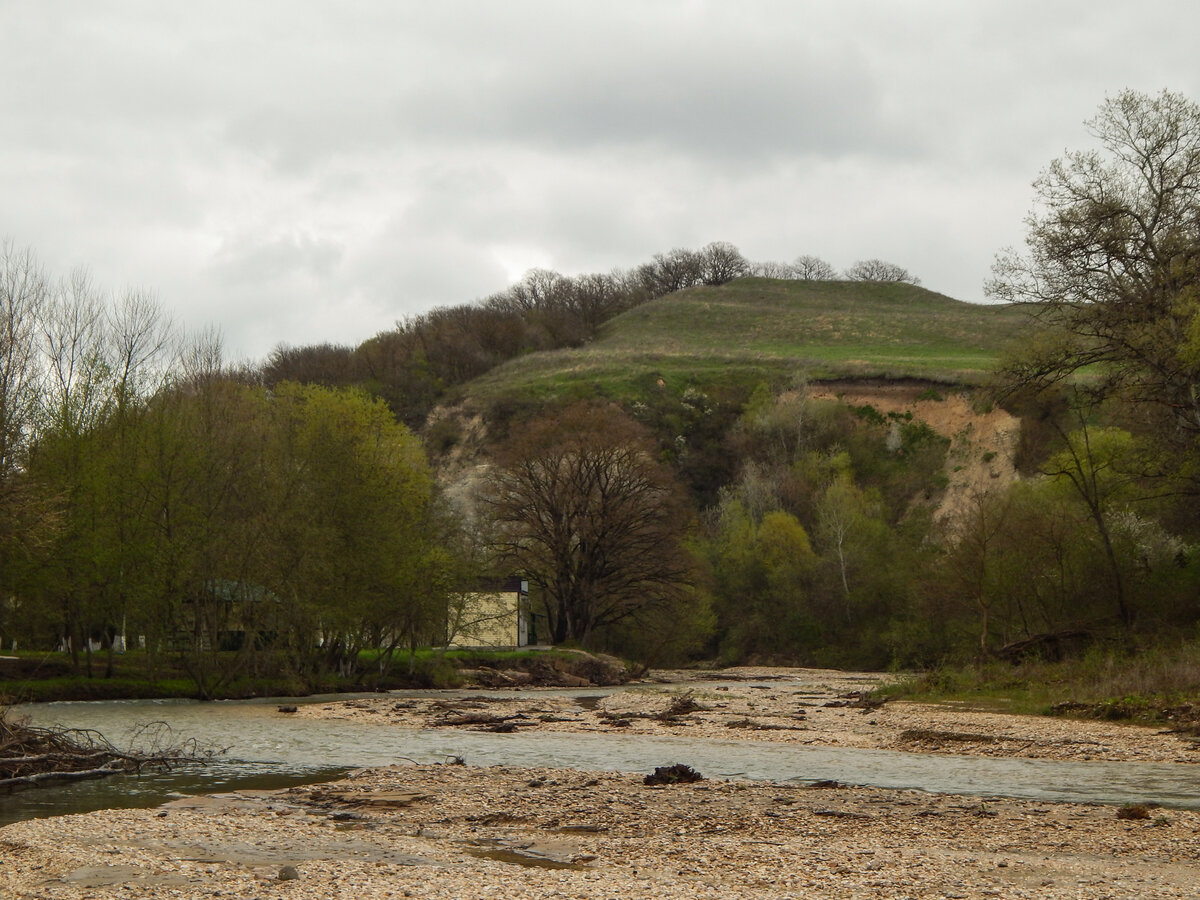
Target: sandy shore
x=451, y=831
x=803, y=706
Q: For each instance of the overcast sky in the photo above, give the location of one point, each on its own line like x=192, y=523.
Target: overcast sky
x=294, y=171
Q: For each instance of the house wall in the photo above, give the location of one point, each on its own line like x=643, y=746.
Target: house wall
x=493, y=618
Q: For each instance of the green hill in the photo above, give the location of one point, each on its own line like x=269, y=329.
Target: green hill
x=757, y=329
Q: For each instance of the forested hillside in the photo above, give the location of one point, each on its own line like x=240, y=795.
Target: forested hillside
x=695, y=459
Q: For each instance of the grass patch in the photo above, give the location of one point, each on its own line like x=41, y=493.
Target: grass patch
x=46, y=677
x=78, y=687
x=756, y=329
x=1152, y=686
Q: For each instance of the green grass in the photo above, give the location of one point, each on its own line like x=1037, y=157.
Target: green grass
x=46, y=677
x=1104, y=683
x=757, y=329
x=80, y=688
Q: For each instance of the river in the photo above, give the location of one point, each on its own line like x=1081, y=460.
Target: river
x=265, y=749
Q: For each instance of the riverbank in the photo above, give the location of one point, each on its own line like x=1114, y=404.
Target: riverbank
x=47, y=677
x=455, y=831
x=802, y=706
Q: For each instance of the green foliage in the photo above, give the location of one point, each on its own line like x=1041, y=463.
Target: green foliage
x=359, y=560
x=1111, y=271
x=212, y=515
x=762, y=570
x=868, y=413
x=835, y=489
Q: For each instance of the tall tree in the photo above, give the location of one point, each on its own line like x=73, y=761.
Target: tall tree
x=23, y=296
x=721, y=262
x=25, y=518
x=1112, y=261
x=761, y=574
x=1096, y=463
x=356, y=551
x=583, y=507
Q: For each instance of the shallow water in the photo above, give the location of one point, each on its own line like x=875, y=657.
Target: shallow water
x=265, y=748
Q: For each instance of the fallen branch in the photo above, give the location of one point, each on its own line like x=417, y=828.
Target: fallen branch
x=41, y=779
x=32, y=756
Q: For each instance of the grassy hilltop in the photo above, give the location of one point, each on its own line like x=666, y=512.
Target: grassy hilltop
x=759, y=328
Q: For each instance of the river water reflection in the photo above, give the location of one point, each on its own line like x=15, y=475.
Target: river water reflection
x=265, y=748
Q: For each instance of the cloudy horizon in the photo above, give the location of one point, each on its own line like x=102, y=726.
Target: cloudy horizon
x=300, y=172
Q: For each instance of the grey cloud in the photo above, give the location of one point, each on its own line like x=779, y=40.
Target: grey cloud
x=250, y=260
x=297, y=171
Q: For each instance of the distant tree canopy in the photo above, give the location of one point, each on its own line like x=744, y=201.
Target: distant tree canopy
x=805, y=267
x=812, y=268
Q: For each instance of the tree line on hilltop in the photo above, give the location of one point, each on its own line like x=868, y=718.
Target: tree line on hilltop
x=414, y=365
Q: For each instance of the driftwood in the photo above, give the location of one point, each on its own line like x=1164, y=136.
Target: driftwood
x=486, y=721
x=856, y=700
x=676, y=774
x=32, y=756
x=755, y=725
x=683, y=705
x=1051, y=646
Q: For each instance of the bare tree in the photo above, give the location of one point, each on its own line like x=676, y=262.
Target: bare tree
x=23, y=295
x=202, y=358
x=141, y=341
x=598, y=297
x=812, y=268
x=771, y=269
x=721, y=262
x=538, y=289
x=25, y=518
x=880, y=270
x=1113, y=259
x=73, y=341
x=332, y=365
x=670, y=272
x=584, y=509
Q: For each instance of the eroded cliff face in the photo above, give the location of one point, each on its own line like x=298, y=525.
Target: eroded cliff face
x=983, y=445
x=457, y=437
